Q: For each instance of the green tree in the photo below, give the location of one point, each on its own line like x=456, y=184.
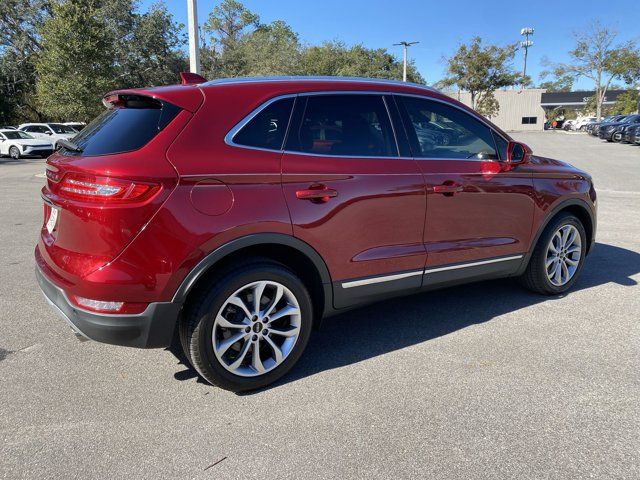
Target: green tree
x=626, y=103
x=563, y=83
x=226, y=25
x=335, y=59
x=153, y=56
x=596, y=56
x=76, y=65
x=271, y=49
x=480, y=70
x=20, y=22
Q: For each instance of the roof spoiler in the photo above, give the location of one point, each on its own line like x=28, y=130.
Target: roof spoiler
x=188, y=78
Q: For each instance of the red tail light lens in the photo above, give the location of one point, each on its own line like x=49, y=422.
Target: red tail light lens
x=104, y=189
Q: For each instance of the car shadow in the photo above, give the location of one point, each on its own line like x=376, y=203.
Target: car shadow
x=23, y=160
x=394, y=324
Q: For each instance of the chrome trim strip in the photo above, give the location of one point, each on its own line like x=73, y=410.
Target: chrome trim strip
x=471, y=264
x=398, y=276
x=386, y=278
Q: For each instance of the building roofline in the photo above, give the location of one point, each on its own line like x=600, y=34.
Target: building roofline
x=275, y=79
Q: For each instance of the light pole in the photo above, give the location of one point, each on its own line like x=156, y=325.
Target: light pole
x=405, y=45
x=194, y=44
x=526, y=43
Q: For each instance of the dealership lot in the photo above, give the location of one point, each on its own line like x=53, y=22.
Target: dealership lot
x=483, y=380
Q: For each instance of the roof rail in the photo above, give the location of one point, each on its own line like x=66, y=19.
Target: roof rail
x=302, y=78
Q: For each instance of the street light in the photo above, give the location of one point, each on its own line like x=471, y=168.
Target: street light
x=194, y=44
x=525, y=44
x=405, y=45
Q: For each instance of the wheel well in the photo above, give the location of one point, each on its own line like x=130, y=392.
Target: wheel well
x=291, y=257
x=583, y=216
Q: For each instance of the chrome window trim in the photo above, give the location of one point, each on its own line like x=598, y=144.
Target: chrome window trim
x=228, y=138
x=425, y=271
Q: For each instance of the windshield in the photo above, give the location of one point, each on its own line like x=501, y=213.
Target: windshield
x=16, y=135
x=59, y=128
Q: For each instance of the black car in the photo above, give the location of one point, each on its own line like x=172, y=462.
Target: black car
x=595, y=127
x=620, y=131
x=632, y=134
x=606, y=129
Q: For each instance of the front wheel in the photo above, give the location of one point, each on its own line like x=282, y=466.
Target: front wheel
x=558, y=257
x=249, y=328
x=14, y=152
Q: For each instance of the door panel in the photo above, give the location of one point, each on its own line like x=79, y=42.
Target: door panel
x=475, y=211
x=490, y=216
x=367, y=217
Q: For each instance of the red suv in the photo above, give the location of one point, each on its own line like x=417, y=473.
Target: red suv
x=239, y=213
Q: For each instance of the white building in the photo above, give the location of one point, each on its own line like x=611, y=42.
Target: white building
x=519, y=109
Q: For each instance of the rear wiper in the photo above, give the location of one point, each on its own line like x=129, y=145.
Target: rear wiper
x=69, y=145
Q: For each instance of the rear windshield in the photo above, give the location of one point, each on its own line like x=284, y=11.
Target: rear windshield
x=123, y=129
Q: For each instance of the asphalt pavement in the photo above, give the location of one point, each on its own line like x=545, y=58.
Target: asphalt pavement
x=477, y=381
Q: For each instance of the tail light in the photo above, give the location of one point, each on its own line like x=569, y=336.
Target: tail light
x=101, y=306
x=104, y=189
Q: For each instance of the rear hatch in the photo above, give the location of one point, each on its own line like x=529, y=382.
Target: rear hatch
x=107, y=183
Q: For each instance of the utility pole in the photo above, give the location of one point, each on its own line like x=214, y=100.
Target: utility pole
x=526, y=43
x=194, y=43
x=405, y=45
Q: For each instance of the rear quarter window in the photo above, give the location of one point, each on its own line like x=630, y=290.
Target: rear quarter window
x=126, y=129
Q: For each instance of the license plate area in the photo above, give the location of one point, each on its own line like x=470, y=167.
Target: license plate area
x=51, y=214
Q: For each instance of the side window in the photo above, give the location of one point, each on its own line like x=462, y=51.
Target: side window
x=344, y=125
x=267, y=128
x=437, y=130
x=501, y=145
x=29, y=129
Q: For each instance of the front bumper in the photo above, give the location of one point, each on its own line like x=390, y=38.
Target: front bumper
x=605, y=135
x=153, y=328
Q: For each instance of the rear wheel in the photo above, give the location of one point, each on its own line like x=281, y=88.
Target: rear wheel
x=14, y=152
x=558, y=257
x=249, y=328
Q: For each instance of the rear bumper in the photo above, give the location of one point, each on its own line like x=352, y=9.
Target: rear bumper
x=152, y=328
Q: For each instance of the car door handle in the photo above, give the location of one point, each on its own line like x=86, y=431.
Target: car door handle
x=448, y=189
x=317, y=193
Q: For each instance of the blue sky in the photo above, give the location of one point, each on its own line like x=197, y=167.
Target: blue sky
x=440, y=26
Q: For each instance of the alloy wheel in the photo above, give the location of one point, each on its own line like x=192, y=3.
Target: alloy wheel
x=14, y=153
x=256, y=328
x=563, y=255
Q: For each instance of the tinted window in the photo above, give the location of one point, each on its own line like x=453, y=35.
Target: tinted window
x=123, y=129
x=343, y=125
x=437, y=130
x=268, y=127
x=58, y=128
x=17, y=135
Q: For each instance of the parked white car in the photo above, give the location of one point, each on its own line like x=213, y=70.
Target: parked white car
x=582, y=122
x=17, y=143
x=49, y=131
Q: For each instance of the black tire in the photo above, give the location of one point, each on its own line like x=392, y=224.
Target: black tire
x=535, y=276
x=14, y=152
x=198, y=321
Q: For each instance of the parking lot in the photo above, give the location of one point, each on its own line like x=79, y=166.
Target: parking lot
x=478, y=381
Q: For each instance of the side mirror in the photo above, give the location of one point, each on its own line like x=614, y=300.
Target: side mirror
x=48, y=132
x=517, y=154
